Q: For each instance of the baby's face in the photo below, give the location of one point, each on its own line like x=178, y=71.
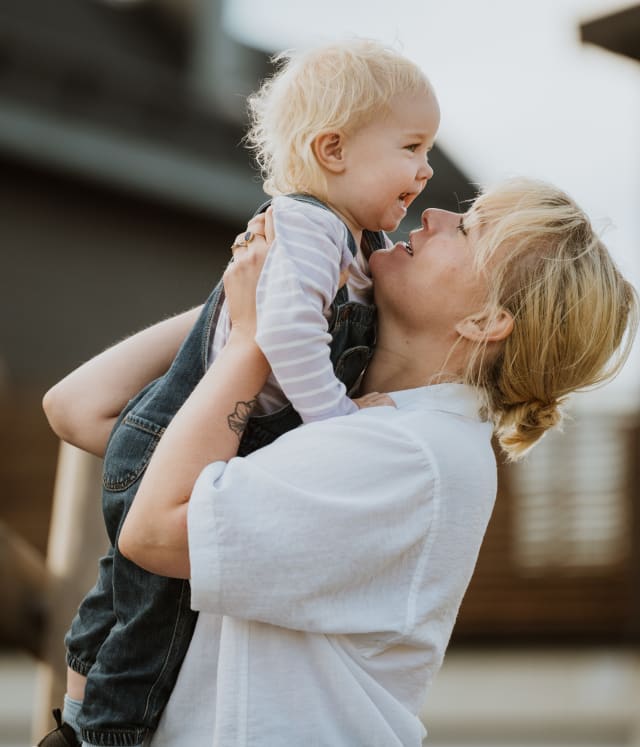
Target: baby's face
x=386, y=162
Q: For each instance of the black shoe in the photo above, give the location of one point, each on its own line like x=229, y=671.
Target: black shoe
x=62, y=736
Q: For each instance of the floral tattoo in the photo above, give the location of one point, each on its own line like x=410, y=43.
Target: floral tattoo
x=238, y=419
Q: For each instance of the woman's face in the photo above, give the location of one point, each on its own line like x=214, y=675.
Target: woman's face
x=431, y=281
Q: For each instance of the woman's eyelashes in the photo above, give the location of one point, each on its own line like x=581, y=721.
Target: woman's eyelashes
x=461, y=227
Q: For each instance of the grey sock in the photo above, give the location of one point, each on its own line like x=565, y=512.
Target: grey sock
x=70, y=713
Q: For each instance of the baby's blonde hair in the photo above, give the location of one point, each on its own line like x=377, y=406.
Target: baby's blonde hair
x=335, y=87
x=574, y=314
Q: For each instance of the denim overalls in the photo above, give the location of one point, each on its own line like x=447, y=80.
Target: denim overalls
x=133, y=629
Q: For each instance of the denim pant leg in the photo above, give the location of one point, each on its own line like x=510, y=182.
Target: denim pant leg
x=93, y=621
x=95, y=617
x=138, y=663
x=152, y=623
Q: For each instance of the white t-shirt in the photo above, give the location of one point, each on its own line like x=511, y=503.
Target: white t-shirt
x=298, y=283
x=328, y=569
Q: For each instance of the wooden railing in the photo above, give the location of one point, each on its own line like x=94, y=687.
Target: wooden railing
x=579, y=579
x=77, y=539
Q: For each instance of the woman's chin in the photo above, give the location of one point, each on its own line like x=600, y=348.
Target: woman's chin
x=385, y=257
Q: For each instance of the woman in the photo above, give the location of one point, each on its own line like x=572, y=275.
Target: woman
x=329, y=567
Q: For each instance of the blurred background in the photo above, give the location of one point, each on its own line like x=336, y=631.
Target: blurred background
x=123, y=181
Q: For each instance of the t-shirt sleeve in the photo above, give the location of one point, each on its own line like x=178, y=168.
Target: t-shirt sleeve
x=297, y=286
x=316, y=532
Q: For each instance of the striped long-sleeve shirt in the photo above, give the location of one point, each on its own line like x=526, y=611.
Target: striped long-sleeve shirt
x=298, y=283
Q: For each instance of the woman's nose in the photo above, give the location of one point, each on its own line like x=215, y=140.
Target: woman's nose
x=435, y=218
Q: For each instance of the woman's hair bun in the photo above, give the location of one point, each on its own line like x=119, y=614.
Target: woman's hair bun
x=537, y=414
x=524, y=423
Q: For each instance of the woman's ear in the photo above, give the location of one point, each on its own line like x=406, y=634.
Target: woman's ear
x=486, y=327
x=329, y=152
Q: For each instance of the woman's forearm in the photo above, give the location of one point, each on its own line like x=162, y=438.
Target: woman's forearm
x=83, y=407
x=206, y=429
x=208, y=426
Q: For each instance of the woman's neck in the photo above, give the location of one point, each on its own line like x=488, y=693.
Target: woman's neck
x=390, y=371
x=404, y=363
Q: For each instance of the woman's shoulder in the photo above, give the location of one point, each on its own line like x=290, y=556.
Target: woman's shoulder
x=445, y=422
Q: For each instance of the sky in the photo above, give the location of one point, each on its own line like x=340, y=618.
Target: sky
x=519, y=94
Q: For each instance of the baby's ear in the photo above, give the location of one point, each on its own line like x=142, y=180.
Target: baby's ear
x=486, y=327
x=328, y=150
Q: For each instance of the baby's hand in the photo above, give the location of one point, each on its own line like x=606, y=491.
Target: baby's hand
x=344, y=276
x=374, y=399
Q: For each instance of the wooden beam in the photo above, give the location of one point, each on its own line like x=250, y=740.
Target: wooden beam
x=77, y=538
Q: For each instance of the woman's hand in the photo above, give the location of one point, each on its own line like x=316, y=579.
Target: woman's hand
x=243, y=272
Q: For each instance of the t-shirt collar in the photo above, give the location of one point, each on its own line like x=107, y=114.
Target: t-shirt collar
x=460, y=399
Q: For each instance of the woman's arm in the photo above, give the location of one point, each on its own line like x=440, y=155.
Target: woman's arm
x=83, y=407
x=207, y=428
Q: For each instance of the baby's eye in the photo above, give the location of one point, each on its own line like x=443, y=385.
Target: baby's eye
x=461, y=228
x=413, y=147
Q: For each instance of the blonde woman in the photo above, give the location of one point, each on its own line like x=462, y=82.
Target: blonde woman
x=342, y=133
x=329, y=567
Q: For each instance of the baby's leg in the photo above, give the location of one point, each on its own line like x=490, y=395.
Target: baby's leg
x=138, y=663
x=76, y=683
x=93, y=621
x=89, y=629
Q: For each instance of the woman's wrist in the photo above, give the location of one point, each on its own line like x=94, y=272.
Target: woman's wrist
x=207, y=428
x=242, y=339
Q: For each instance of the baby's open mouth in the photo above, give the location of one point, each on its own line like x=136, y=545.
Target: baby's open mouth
x=405, y=199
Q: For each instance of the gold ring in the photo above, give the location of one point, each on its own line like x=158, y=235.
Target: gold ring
x=246, y=240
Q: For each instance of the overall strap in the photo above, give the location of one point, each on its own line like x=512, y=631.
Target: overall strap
x=372, y=240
